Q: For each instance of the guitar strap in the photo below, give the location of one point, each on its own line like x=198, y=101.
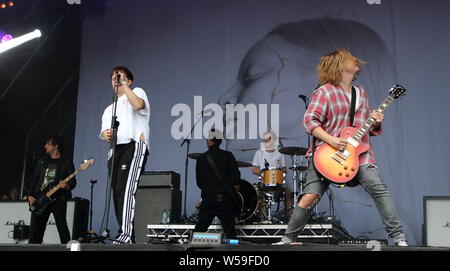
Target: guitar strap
x=353, y=107
x=222, y=182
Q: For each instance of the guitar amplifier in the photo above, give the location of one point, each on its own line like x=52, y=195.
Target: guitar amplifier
x=160, y=179
x=436, y=221
x=16, y=216
x=157, y=191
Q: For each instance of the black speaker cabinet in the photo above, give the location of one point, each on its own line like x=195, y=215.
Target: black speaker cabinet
x=157, y=191
x=436, y=217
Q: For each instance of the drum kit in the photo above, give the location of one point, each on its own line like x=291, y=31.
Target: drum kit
x=259, y=198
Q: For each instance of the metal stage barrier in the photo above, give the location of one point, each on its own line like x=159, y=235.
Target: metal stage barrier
x=324, y=233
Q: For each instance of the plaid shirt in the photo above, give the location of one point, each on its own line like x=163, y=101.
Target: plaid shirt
x=330, y=109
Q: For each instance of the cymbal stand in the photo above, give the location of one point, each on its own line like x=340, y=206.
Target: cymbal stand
x=297, y=178
x=269, y=204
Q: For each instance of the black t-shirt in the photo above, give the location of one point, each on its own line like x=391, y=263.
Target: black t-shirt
x=48, y=173
x=227, y=167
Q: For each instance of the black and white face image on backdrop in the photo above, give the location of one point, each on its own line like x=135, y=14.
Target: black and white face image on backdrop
x=282, y=65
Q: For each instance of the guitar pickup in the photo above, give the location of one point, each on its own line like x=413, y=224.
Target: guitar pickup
x=337, y=160
x=353, y=142
x=343, y=155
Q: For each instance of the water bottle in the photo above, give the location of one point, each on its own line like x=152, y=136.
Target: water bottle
x=168, y=215
x=164, y=217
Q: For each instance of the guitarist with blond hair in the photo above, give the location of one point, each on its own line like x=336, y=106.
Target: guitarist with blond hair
x=329, y=112
x=49, y=173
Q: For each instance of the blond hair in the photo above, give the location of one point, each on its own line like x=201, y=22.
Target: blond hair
x=331, y=66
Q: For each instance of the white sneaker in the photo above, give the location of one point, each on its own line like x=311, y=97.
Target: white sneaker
x=401, y=243
x=280, y=243
x=283, y=241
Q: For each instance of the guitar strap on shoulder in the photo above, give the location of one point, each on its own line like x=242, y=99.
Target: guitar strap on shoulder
x=352, y=107
x=222, y=181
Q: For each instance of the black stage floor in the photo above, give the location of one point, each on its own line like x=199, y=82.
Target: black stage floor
x=254, y=257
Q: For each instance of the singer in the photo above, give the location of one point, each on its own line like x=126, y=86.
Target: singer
x=268, y=157
x=132, y=133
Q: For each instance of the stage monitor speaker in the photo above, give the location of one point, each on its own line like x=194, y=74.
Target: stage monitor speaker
x=157, y=191
x=436, y=225
x=13, y=212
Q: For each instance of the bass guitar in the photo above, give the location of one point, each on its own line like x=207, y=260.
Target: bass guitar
x=45, y=199
x=340, y=167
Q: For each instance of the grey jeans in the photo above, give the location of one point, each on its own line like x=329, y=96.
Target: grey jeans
x=370, y=179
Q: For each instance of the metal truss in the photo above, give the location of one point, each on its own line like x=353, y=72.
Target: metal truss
x=329, y=233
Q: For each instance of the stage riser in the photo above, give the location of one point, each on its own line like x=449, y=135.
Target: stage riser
x=255, y=233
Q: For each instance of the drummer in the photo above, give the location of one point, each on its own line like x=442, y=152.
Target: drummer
x=268, y=157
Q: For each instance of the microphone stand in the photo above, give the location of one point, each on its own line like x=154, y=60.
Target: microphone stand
x=91, y=234
x=187, y=140
x=305, y=100
x=294, y=162
x=111, y=155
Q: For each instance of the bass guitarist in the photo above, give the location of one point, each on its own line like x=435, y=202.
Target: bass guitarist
x=49, y=172
x=327, y=114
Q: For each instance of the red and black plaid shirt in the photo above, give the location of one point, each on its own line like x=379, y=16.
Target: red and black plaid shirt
x=330, y=109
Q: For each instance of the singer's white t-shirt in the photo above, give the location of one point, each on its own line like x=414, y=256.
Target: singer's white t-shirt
x=132, y=123
x=275, y=159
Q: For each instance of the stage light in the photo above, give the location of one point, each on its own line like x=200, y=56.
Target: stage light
x=19, y=40
x=5, y=38
x=5, y=4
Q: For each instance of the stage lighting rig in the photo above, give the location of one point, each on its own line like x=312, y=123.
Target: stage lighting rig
x=6, y=4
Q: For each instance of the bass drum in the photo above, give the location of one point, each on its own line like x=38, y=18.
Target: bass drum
x=253, y=203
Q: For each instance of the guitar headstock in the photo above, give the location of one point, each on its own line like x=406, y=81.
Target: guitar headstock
x=86, y=164
x=397, y=91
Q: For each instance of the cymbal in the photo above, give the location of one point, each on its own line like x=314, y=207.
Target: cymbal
x=243, y=164
x=249, y=149
x=289, y=138
x=195, y=155
x=293, y=150
x=239, y=163
x=299, y=168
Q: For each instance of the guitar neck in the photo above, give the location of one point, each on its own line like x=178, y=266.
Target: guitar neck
x=56, y=188
x=368, y=124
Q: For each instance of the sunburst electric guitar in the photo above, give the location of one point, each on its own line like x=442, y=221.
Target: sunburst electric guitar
x=341, y=167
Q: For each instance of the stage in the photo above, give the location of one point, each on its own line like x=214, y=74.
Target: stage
x=252, y=238
x=230, y=257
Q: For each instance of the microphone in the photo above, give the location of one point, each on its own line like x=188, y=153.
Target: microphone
x=118, y=78
x=303, y=97
x=266, y=164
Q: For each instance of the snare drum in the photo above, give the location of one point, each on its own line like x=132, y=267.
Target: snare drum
x=272, y=177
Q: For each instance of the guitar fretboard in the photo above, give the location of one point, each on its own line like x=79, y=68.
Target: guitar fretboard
x=365, y=128
x=56, y=188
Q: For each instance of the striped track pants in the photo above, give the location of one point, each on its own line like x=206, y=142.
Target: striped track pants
x=130, y=159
